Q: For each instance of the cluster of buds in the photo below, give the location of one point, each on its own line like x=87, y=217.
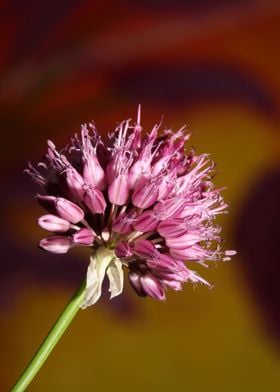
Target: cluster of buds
x=139, y=202
x=63, y=219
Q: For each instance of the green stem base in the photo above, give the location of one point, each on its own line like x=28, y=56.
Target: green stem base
x=51, y=340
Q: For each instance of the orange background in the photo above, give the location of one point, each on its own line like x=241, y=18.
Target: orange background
x=211, y=64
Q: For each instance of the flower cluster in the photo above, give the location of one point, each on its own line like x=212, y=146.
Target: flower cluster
x=139, y=202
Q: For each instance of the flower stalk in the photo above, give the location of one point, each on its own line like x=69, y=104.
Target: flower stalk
x=51, y=340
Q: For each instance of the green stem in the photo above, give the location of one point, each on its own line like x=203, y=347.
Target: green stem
x=51, y=340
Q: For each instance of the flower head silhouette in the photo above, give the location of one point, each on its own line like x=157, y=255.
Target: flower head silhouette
x=139, y=201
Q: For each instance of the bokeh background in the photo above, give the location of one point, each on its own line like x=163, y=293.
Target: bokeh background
x=212, y=64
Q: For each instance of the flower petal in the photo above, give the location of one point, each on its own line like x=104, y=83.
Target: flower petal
x=99, y=262
x=94, y=200
x=53, y=223
x=147, y=221
x=115, y=276
x=55, y=244
x=118, y=190
x=152, y=287
x=145, y=195
x=83, y=237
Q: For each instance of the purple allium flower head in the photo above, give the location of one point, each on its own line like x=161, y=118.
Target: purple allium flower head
x=139, y=201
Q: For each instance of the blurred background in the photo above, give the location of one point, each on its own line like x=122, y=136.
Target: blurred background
x=210, y=64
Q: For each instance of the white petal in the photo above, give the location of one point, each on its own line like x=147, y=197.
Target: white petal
x=115, y=275
x=95, y=275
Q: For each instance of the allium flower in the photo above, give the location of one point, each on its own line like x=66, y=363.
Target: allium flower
x=139, y=201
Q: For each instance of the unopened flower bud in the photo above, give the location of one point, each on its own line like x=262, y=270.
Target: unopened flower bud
x=54, y=223
x=63, y=207
x=75, y=183
x=171, y=228
x=123, y=249
x=146, y=222
x=118, y=190
x=144, y=248
x=55, y=244
x=83, y=237
x=69, y=211
x=145, y=196
x=188, y=239
x=124, y=223
x=135, y=282
x=139, y=173
x=93, y=173
x=94, y=200
x=152, y=287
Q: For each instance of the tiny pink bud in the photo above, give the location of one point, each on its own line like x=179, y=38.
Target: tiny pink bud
x=54, y=223
x=165, y=187
x=124, y=223
x=118, y=190
x=152, y=287
x=123, y=249
x=145, y=196
x=75, y=183
x=144, y=248
x=55, y=244
x=161, y=260
x=135, y=282
x=171, y=275
x=195, y=252
x=63, y=207
x=83, y=237
x=93, y=173
x=184, y=241
x=169, y=207
x=68, y=210
x=185, y=254
x=94, y=200
x=160, y=164
x=138, y=173
x=171, y=228
x=145, y=222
